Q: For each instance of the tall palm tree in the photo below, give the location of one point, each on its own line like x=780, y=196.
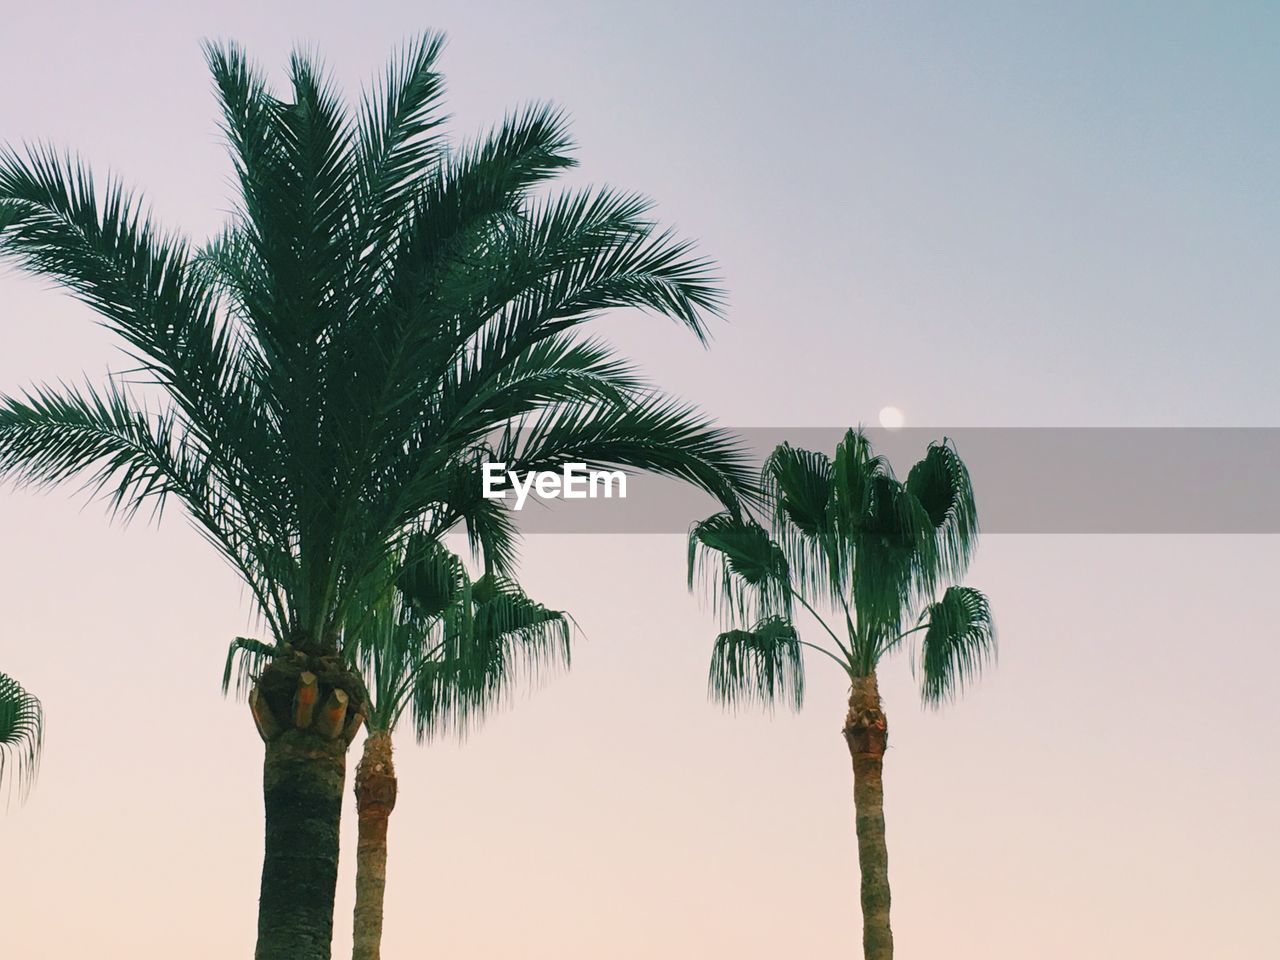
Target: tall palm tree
x=21, y=735
x=383, y=311
x=439, y=651
x=884, y=557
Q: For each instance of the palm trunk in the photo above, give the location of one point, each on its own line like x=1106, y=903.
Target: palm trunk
x=375, y=799
x=866, y=733
x=307, y=710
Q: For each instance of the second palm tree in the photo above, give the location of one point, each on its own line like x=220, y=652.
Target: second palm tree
x=439, y=651
x=884, y=557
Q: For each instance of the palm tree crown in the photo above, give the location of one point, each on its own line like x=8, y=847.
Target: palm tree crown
x=846, y=534
x=385, y=311
x=382, y=311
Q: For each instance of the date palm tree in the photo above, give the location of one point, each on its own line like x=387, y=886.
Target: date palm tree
x=438, y=652
x=21, y=735
x=884, y=558
x=324, y=378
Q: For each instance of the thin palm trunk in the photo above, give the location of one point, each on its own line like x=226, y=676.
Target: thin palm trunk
x=375, y=799
x=301, y=707
x=866, y=732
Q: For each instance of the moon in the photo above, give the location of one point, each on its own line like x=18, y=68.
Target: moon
x=891, y=418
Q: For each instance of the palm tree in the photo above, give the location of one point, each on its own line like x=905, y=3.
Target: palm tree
x=385, y=311
x=440, y=650
x=884, y=557
x=21, y=734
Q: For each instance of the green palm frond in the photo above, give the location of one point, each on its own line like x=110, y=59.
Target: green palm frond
x=745, y=570
x=800, y=486
x=399, y=135
x=940, y=482
x=102, y=247
x=431, y=580
x=507, y=639
x=445, y=649
x=647, y=431
x=857, y=472
x=21, y=735
x=959, y=640
x=246, y=659
x=799, y=482
x=761, y=665
x=893, y=558
x=134, y=457
x=50, y=436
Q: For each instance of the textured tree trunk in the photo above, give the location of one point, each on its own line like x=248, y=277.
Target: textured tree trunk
x=866, y=733
x=375, y=799
x=307, y=709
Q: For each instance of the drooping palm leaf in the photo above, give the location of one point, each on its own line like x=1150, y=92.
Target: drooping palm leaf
x=959, y=640
x=761, y=665
x=507, y=638
x=746, y=571
x=445, y=649
x=800, y=485
x=21, y=735
x=940, y=482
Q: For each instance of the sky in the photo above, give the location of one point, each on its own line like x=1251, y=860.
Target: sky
x=987, y=215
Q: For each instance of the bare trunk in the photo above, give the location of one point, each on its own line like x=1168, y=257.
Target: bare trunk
x=307, y=709
x=866, y=733
x=375, y=799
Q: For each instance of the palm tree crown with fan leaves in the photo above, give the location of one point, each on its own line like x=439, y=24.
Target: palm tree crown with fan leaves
x=876, y=563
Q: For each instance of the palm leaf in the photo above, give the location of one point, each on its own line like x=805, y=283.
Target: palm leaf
x=799, y=484
x=508, y=638
x=761, y=665
x=941, y=483
x=21, y=735
x=959, y=640
x=246, y=659
x=746, y=570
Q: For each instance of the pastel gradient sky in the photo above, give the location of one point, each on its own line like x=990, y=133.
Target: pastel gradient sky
x=986, y=214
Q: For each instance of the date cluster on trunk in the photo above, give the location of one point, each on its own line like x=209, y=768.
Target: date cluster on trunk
x=315, y=694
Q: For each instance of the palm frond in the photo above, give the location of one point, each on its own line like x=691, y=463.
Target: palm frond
x=649, y=432
x=746, y=571
x=761, y=665
x=21, y=735
x=398, y=137
x=246, y=658
x=799, y=485
x=508, y=638
x=893, y=560
x=50, y=436
x=941, y=483
x=134, y=457
x=959, y=640
x=102, y=247
x=431, y=580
